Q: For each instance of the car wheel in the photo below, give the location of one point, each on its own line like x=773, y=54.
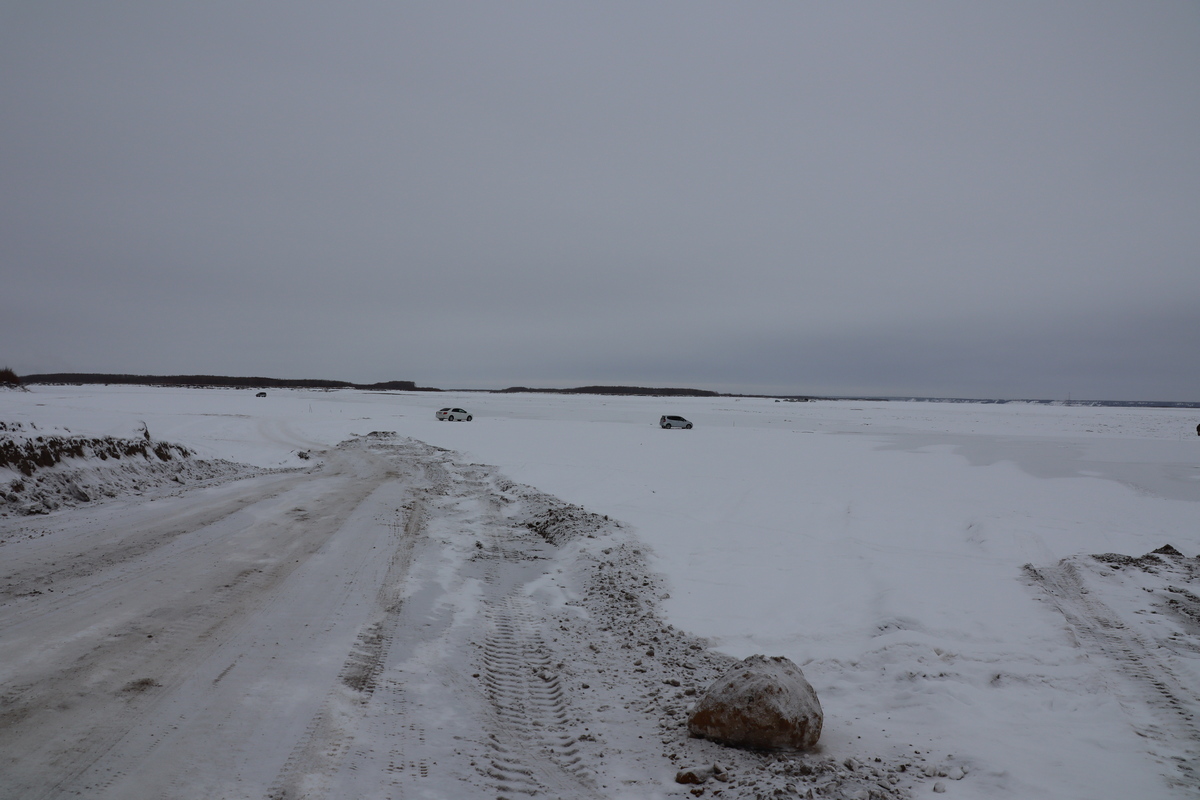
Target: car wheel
x=468, y=418
x=687, y=427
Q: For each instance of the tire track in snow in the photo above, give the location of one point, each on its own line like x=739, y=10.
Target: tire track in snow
x=527, y=701
x=530, y=736
x=144, y=622
x=327, y=738
x=511, y=737
x=369, y=733
x=1097, y=628
x=71, y=558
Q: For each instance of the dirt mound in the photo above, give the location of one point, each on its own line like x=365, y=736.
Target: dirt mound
x=43, y=471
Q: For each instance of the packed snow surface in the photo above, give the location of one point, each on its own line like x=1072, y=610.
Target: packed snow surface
x=343, y=597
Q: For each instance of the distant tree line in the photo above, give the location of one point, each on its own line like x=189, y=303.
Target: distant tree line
x=222, y=381
x=619, y=390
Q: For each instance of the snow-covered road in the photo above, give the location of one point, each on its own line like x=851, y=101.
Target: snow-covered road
x=191, y=621
x=389, y=623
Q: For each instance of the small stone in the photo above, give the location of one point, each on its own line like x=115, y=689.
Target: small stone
x=695, y=775
x=940, y=787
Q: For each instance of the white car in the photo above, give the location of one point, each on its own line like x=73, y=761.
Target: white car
x=453, y=414
x=672, y=421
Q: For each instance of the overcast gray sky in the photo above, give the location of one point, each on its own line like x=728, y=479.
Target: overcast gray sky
x=986, y=199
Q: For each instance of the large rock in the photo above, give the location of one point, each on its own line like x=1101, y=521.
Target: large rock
x=761, y=703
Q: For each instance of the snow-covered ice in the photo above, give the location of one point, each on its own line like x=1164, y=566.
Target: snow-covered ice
x=362, y=623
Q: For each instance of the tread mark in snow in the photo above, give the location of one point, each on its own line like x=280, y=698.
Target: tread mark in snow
x=527, y=700
x=325, y=742
x=1096, y=627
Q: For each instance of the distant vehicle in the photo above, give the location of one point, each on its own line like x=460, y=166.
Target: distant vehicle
x=453, y=414
x=261, y=394
x=672, y=421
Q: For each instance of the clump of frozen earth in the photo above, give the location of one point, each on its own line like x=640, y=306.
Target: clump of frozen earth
x=761, y=703
x=44, y=470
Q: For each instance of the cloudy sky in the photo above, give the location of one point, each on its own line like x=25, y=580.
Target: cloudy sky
x=995, y=199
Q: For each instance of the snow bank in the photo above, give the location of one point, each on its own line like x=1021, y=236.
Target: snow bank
x=42, y=470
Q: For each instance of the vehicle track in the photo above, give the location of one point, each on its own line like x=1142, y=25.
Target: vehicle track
x=79, y=553
x=85, y=664
x=1146, y=679
x=531, y=736
x=525, y=745
x=325, y=743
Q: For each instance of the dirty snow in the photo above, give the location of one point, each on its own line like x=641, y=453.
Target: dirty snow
x=371, y=603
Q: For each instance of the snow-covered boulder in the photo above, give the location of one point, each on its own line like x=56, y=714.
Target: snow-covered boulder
x=761, y=703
